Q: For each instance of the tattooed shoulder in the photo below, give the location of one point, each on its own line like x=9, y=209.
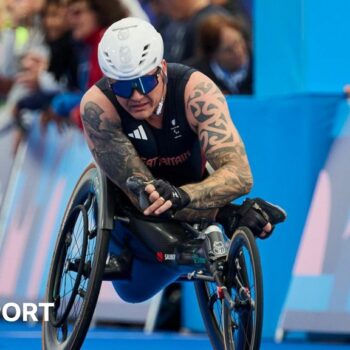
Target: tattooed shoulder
x=92, y=117
x=207, y=105
x=205, y=88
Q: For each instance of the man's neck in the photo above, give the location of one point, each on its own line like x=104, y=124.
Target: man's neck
x=156, y=121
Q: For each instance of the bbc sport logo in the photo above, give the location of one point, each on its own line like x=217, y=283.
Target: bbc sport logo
x=28, y=312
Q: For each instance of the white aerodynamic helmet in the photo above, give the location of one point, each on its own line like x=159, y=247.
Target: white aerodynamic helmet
x=129, y=49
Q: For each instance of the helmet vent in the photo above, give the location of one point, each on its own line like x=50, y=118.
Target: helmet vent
x=106, y=53
x=144, y=53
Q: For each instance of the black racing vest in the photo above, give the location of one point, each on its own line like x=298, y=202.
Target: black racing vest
x=173, y=152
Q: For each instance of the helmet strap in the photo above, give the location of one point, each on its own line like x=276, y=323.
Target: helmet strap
x=160, y=107
x=161, y=102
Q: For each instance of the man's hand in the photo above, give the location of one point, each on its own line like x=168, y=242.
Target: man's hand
x=28, y=79
x=165, y=196
x=157, y=196
x=32, y=64
x=254, y=217
x=258, y=215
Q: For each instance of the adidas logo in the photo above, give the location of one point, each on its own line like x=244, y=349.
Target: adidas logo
x=138, y=133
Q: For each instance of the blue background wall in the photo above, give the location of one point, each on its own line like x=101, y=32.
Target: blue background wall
x=301, y=46
x=287, y=141
x=302, y=62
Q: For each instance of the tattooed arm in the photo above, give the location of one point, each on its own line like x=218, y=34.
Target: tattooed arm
x=111, y=149
x=208, y=115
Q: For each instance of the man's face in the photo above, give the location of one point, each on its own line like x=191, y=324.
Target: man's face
x=33, y=60
x=142, y=106
x=19, y=10
x=232, y=52
x=82, y=20
x=54, y=20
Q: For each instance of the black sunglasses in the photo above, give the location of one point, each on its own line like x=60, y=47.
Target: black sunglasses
x=144, y=85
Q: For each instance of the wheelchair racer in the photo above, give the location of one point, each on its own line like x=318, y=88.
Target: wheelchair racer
x=162, y=122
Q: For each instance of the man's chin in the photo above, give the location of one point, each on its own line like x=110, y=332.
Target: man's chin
x=141, y=114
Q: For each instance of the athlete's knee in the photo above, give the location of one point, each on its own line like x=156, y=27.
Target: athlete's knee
x=130, y=294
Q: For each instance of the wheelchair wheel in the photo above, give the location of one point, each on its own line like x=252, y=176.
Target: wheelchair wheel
x=243, y=324
x=211, y=308
x=77, y=268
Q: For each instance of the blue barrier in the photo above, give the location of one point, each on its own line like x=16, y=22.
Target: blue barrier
x=46, y=170
x=6, y=147
x=319, y=295
x=299, y=46
x=287, y=140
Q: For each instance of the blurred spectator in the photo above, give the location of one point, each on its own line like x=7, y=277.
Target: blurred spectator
x=135, y=9
x=156, y=13
x=237, y=7
x=88, y=20
x=224, y=54
x=245, y=6
x=180, y=34
x=22, y=32
x=220, y=2
x=60, y=72
x=43, y=77
x=346, y=90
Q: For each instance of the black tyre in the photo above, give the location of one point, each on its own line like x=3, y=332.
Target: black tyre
x=211, y=308
x=77, y=267
x=243, y=324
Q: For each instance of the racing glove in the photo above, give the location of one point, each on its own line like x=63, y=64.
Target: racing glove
x=176, y=195
x=253, y=213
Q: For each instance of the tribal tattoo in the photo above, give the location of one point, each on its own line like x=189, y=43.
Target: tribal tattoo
x=112, y=150
x=222, y=147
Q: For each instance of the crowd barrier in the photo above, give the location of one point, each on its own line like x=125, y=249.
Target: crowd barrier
x=287, y=141
x=40, y=182
x=6, y=146
x=319, y=295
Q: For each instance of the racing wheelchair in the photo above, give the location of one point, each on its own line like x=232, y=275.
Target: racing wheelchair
x=226, y=273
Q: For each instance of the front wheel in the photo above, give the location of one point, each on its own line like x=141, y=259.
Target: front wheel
x=211, y=308
x=243, y=323
x=77, y=268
